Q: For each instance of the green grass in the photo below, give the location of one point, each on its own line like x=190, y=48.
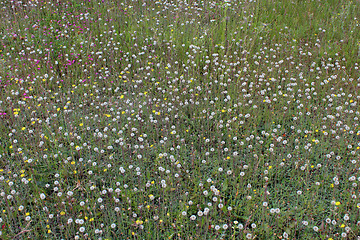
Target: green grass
x=179, y=120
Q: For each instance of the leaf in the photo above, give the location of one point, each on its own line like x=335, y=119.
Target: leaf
x=225, y=185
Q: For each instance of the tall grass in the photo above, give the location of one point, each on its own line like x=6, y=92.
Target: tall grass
x=179, y=119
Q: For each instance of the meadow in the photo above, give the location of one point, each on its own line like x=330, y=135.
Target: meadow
x=179, y=119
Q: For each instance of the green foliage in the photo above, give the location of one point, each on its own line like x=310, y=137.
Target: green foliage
x=179, y=119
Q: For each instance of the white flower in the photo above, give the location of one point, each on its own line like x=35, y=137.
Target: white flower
x=42, y=196
x=113, y=225
x=193, y=217
x=82, y=229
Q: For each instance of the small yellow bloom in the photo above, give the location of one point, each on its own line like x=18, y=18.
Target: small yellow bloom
x=62, y=213
x=337, y=203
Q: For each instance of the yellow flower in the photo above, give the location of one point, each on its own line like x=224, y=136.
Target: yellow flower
x=62, y=213
x=138, y=222
x=337, y=203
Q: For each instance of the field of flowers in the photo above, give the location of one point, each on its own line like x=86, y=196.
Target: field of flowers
x=179, y=119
